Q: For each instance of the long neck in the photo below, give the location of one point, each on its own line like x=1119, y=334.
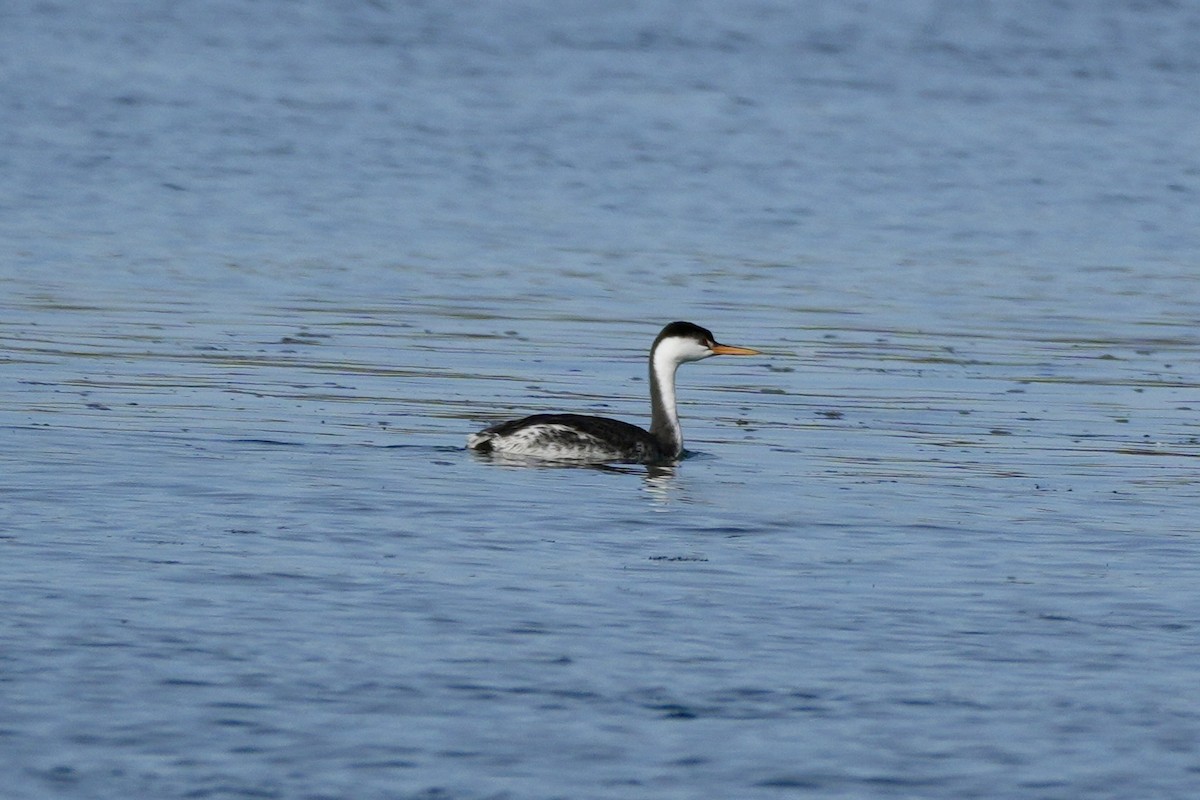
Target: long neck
x=664, y=422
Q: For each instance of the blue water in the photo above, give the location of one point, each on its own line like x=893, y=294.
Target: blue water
x=267, y=264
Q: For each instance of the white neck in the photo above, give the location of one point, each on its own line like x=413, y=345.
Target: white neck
x=664, y=360
x=664, y=420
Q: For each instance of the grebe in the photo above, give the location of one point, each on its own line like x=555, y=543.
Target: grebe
x=575, y=437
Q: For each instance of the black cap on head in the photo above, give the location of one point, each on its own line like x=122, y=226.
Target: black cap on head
x=686, y=330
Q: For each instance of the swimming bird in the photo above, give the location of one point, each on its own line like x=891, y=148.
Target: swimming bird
x=580, y=438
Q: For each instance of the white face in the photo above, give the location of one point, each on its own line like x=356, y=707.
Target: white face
x=681, y=349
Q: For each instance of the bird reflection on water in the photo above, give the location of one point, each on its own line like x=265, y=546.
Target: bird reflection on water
x=659, y=479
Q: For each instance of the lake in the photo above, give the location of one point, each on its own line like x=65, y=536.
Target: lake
x=268, y=264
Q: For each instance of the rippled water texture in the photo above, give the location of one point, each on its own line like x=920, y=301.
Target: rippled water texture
x=267, y=264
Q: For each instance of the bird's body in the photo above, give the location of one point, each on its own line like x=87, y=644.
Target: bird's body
x=571, y=437
x=580, y=438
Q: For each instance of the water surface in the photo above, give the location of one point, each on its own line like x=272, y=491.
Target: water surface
x=267, y=266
